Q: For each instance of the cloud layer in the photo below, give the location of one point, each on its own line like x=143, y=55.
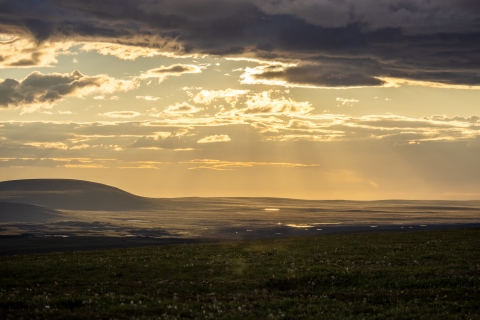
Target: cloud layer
x=333, y=43
x=392, y=130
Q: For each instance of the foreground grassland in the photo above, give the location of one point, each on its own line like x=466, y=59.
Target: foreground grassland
x=415, y=275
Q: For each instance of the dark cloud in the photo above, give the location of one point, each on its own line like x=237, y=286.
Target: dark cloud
x=40, y=29
x=174, y=69
x=39, y=89
x=330, y=73
x=434, y=41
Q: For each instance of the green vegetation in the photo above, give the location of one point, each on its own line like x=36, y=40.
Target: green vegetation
x=421, y=275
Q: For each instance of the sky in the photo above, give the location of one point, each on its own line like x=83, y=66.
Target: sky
x=309, y=99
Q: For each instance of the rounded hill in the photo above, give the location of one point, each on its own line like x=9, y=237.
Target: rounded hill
x=68, y=194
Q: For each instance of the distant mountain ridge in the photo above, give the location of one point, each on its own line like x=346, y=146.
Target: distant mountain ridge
x=69, y=194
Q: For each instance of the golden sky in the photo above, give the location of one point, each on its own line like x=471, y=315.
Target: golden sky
x=244, y=98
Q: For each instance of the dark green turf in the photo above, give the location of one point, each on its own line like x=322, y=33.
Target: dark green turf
x=416, y=275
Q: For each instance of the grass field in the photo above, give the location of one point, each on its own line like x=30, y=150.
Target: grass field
x=415, y=275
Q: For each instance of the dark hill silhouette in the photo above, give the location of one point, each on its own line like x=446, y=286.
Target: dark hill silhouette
x=21, y=212
x=67, y=194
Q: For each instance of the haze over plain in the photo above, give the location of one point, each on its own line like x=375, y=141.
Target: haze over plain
x=39, y=210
